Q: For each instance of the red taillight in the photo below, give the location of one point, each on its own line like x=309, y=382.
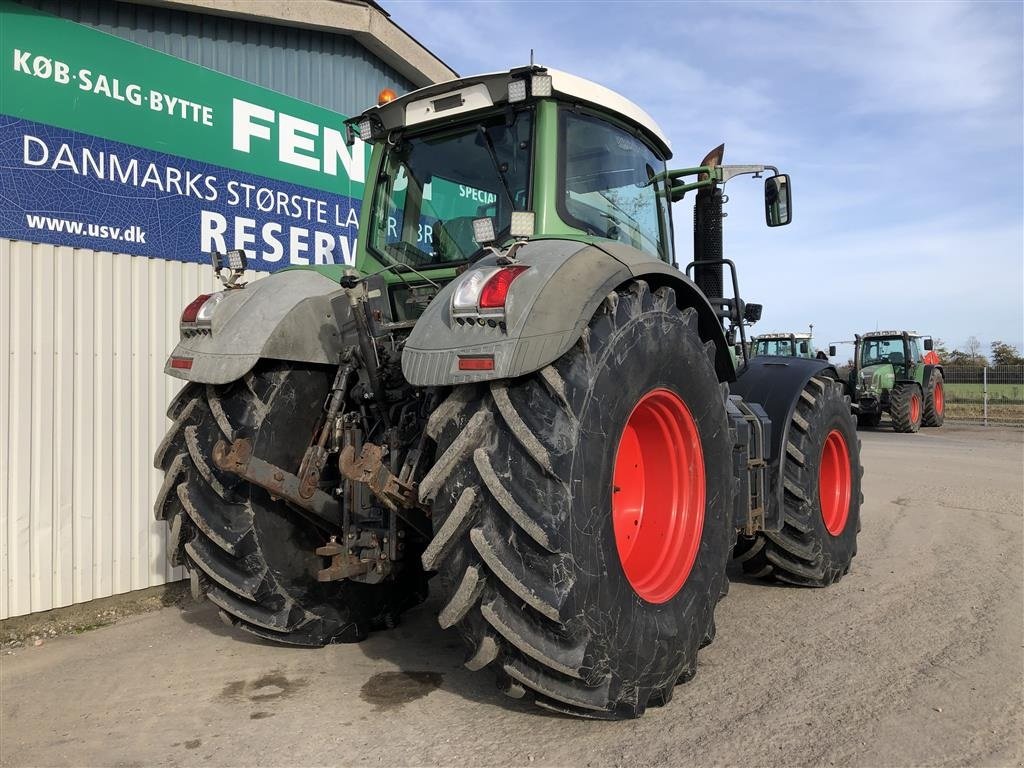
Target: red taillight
x=495, y=290
x=190, y=312
x=181, y=362
x=476, y=362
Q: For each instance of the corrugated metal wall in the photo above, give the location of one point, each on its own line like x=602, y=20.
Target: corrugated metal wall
x=83, y=340
x=333, y=71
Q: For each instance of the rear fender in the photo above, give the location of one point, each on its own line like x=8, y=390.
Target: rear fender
x=775, y=384
x=285, y=316
x=547, y=309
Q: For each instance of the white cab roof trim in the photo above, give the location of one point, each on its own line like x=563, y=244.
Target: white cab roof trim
x=587, y=90
x=803, y=335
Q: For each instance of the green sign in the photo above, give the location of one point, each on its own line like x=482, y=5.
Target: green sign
x=63, y=74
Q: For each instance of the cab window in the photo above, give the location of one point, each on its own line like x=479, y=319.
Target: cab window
x=606, y=188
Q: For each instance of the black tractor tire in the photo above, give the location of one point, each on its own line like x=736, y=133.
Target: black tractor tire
x=251, y=555
x=934, y=401
x=816, y=545
x=524, y=536
x=869, y=419
x=906, y=407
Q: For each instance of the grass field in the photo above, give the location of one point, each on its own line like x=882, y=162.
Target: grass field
x=997, y=393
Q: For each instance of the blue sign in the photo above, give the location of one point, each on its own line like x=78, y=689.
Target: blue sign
x=68, y=188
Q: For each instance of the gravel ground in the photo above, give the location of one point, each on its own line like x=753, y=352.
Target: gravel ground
x=916, y=658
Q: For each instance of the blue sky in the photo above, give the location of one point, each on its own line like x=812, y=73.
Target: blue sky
x=900, y=123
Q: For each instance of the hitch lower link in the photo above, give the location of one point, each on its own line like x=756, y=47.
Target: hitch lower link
x=369, y=469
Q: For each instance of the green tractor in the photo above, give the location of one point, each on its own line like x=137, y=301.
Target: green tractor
x=524, y=399
x=891, y=374
x=783, y=345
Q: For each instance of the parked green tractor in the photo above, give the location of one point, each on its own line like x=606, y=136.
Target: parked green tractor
x=783, y=345
x=891, y=374
x=522, y=395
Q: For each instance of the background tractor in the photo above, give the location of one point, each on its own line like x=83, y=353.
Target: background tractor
x=516, y=389
x=783, y=345
x=891, y=374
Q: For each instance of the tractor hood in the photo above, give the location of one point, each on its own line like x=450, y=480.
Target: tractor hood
x=875, y=378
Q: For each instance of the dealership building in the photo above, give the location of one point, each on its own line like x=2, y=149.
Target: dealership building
x=135, y=137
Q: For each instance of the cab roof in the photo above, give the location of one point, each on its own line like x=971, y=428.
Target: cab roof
x=768, y=336
x=889, y=334
x=453, y=98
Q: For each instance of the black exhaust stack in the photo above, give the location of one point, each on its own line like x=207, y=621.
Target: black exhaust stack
x=707, y=243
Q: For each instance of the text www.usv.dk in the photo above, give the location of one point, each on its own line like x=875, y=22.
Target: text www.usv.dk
x=132, y=234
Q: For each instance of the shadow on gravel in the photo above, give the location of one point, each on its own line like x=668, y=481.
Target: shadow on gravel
x=419, y=648
x=426, y=657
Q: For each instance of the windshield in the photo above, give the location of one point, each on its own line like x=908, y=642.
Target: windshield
x=879, y=351
x=774, y=347
x=433, y=186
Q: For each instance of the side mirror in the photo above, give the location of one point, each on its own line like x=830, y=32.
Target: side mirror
x=752, y=312
x=803, y=347
x=928, y=345
x=831, y=350
x=778, y=200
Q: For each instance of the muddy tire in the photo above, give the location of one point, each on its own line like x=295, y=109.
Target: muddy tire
x=821, y=495
x=528, y=533
x=251, y=555
x=934, y=401
x=906, y=407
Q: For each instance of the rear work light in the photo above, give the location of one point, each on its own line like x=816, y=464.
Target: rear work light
x=192, y=310
x=495, y=290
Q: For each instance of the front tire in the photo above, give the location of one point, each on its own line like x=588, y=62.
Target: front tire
x=905, y=407
x=821, y=495
x=528, y=531
x=251, y=555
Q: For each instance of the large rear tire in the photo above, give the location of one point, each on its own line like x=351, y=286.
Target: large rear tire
x=251, y=555
x=532, y=546
x=934, y=401
x=906, y=407
x=821, y=495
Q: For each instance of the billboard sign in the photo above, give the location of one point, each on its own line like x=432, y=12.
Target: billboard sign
x=113, y=146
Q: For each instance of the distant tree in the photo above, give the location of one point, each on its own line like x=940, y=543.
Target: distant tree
x=939, y=347
x=957, y=357
x=1005, y=354
x=973, y=347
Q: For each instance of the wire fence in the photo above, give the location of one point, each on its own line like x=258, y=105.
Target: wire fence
x=985, y=395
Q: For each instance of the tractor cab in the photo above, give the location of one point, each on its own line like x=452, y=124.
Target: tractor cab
x=464, y=170
x=890, y=354
x=483, y=161
x=784, y=345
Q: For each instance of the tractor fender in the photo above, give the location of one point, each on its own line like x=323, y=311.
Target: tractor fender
x=285, y=316
x=547, y=308
x=927, y=373
x=775, y=384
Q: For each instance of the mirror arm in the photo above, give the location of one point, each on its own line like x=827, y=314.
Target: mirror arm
x=726, y=172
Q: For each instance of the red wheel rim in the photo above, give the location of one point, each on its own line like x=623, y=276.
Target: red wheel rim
x=658, y=495
x=834, y=482
x=915, y=408
x=937, y=398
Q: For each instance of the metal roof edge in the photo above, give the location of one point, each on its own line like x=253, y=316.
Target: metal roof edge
x=366, y=22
